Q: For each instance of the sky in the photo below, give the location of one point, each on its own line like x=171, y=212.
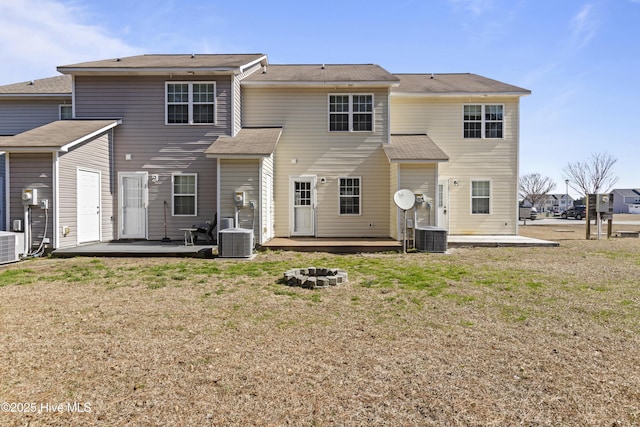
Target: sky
x=579, y=58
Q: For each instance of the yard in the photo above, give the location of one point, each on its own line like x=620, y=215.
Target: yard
x=484, y=336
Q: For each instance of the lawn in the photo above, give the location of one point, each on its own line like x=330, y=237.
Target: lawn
x=476, y=337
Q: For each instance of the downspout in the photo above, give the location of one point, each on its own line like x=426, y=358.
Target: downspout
x=56, y=199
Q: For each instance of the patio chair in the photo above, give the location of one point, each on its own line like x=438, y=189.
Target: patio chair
x=206, y=229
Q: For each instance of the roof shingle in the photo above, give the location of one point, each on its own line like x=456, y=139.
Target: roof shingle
x=249, y=142
x=58, y=85
x=413, y=147
x=464, y=83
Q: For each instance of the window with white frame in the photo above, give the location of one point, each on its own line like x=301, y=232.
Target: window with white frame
x=66, y=112
x=184, y=194
x=480, y=197
x=483, y=121
x=191, y=103
x=350, y=196
x=351, y=113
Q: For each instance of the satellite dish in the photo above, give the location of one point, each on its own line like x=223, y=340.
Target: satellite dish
x=404, y=199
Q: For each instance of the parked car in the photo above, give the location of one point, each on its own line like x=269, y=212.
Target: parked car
x=528, y=213
x=577, y=212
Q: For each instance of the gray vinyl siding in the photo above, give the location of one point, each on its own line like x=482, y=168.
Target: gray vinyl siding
x=156, y=148
x=32, y=171
x=237, y=98
x=92, y=155
x=17, y=116
x=240, y=175
x=495, y=160
x=306, y=147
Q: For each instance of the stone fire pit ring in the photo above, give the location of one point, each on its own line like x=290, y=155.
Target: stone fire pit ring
x=313, y=277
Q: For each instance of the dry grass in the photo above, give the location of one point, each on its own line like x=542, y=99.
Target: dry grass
x=497, y=336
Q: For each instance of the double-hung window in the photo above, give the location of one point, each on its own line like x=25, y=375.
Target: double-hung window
x=191, y=103
x=350, y=196
x=480, y=197
x=66, y=112
x=351, y=113
x=184, y=194
x=483, y=121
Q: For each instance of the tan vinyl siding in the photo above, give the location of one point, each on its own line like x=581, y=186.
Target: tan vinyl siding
x=32, y=171
x=156, y=148
x=469, y=159
x=303, y=113
x=421, y=179
x=394, y=224
x=240, y=175
x=94, y=156
x=19, y=116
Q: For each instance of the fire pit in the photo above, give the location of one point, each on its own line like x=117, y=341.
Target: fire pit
x=312, y=277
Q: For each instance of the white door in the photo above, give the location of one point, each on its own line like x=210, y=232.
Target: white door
x=133, y=205
x=88, y=199
x=303, y=189
x=268, y=208
x=443, y=203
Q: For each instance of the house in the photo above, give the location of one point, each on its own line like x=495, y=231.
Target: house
x=626, y=200
x=556, y=203
x=161, y=142
x=25, y=106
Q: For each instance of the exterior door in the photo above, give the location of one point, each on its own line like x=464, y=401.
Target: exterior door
x=303, y=189
x=88, y=199
x=443, y=203
x=133, y=205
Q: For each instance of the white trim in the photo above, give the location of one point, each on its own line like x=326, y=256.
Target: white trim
x=71, y=144
x=190, y=102
x=195, y=194
x=55, y=183
x=483, y=121
x=73, y=96
x=99, y=172
x=351, y=113
x=302, y=178
x=457, y=94
x=471, y=181
x=359, y=178
x=7, y=186
x=60, y=111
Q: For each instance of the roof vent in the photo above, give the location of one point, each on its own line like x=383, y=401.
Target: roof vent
x=31, y=83
x=322, y=66
x=193, y=55
x=264, y=69
x=431, y=75
x=118, y=59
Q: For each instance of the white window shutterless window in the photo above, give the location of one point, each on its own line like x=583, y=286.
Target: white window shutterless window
x=66, y=112
x=350, y=196
x=483, y=121
x=190, y=103
x=184, y=194
x=350, y=113
x=480, y=197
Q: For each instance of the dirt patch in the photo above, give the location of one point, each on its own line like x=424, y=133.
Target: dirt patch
x=482, y=336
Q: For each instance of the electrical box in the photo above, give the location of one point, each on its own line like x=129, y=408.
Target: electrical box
x=29, y=196
x=419, y=199
x=239, y=198
x=604, y=203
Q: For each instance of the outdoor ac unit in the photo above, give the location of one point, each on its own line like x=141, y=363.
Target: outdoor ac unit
x=235, y=243
x=431, y=239
x=11, y=246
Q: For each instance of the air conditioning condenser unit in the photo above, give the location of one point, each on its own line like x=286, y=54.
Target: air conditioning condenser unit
x=431, y=239
x=235, y=243
x=11, y=246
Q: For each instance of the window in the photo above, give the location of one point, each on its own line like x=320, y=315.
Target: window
x=483, y=121
x=349, y=196
x=350, y=113
x=191, y=103
x=480, y=195
x=66, y=112
x=184, y=194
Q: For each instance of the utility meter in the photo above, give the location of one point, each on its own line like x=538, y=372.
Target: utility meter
x=238, y=198
x=29, y=196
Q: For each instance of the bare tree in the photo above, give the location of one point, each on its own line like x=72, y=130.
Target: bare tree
x=592, y=176
x=534, y=188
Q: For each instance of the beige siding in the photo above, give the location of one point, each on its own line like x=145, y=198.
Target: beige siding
x=421, y=179
x=93, y=155
x=17, y=116
x=154, y=147
x=394, y=223
x=32, y=171
x=306, y=147
x=478, y=159
x=240, y=175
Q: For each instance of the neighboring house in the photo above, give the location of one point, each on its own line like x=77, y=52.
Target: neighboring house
x=285, y=150
x=25, y=106
x=556, y=203
x=626, y=200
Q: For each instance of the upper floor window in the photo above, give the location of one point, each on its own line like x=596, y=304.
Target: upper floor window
x=349, y=196
x=66, y=112
x=483, y=121
x=184, y=194
x=480, y=197
x=191, y=103
x=351, y=113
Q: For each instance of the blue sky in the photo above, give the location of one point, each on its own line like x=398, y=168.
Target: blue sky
x=580, y=58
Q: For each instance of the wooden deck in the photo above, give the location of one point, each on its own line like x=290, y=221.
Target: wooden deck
x=334, y=245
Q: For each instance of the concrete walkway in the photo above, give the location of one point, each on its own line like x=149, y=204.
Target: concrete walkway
x=498, y=241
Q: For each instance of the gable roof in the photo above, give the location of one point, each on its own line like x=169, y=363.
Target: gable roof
x=462, y=84
x=154, y=64
x=627, y=192
x=413, y=148
x=51, y=86
x=322, y=74
x=60, y=135
x=248, y=143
